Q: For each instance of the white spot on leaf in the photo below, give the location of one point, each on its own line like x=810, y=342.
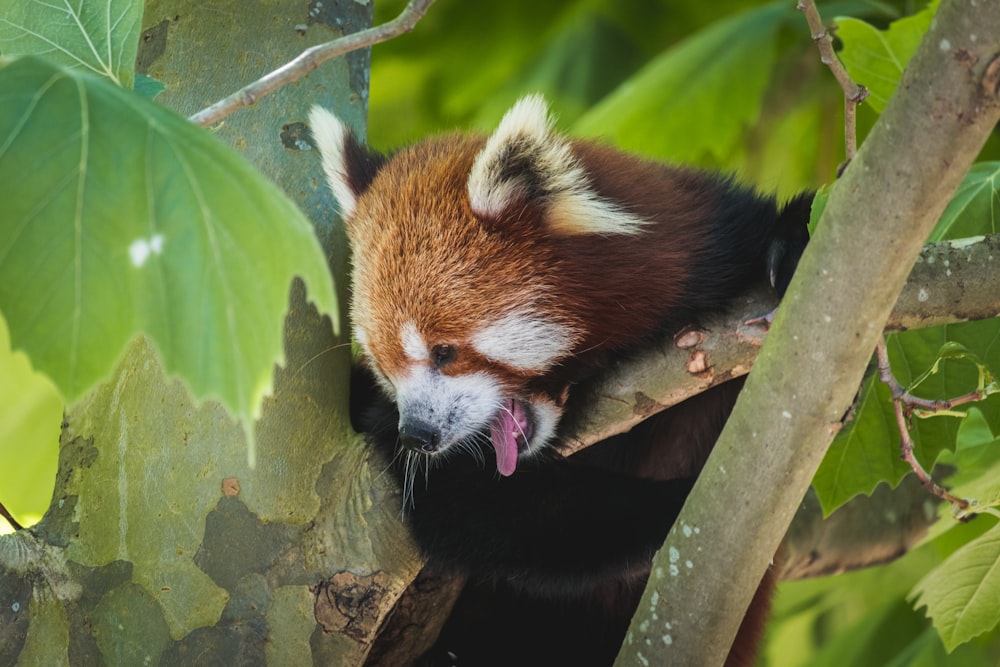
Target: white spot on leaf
x=142, y=249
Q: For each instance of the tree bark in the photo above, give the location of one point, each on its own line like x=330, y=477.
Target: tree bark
x=884, y=206
x=162, y=545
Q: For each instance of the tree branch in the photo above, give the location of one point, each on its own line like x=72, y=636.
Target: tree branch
x=952, y=281
x=872, y=231
x=854, y=94
x=309, y=60
x=10, y=518
x=906, y=442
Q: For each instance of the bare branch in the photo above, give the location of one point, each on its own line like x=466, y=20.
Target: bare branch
x=854, y=94
x=309, y=60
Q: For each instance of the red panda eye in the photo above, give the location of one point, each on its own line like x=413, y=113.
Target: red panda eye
x=441, y=355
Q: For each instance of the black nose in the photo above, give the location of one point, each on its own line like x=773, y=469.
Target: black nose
x=419, y=436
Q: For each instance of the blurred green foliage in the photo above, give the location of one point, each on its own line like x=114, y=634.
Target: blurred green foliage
x=734, y=85
x=29, y=435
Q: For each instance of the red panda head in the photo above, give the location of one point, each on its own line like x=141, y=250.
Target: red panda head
x=459, y=301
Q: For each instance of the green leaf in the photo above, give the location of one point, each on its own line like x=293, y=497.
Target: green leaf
x=147, y=86
x=29, y=435
x=121, y=218
x=686, y=102
x=975, y=432
x=818, y=206
x=876, y=58
x=864, y=453
x=962, y=595
x=976, y=461
x=99, y=36
x=974, y=209
x=913, y=352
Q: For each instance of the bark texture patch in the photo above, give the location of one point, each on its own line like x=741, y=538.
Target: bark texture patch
x=349, y=603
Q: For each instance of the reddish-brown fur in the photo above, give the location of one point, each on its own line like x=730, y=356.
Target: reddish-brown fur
x=425, y=259
x=498, y=266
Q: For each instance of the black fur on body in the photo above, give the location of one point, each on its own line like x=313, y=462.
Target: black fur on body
x=558, y=553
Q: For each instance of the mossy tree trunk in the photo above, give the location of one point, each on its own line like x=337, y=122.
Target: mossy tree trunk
x=162, y=545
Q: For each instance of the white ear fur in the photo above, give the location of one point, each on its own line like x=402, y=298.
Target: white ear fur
x=523, y=158
x=331, y=137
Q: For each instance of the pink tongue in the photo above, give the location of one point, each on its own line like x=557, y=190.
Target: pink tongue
x=504, y=431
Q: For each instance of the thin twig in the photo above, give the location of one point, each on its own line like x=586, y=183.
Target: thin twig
x=309, y=60
x=901, y=406
x=10, y=518
x=940, y=405
x=854, y=93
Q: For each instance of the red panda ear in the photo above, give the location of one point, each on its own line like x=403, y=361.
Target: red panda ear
x=525, y=162
x=349, y=165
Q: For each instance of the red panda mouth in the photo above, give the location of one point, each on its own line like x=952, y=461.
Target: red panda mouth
x=510, y=431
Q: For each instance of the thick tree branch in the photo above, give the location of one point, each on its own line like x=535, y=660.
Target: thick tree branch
x=952, y=281
x=872, y=231
x=309, y=60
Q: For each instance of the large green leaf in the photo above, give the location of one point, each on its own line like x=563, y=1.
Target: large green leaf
x=121, y=218
x=962, y=595
x=99, y=36
x=976, y=461
x=876, y=58
x=687, y=103
x=975, y=207
x=864, y=453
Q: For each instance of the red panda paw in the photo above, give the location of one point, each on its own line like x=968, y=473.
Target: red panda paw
x=764, y=321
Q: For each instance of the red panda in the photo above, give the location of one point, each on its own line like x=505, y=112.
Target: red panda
x=492, y=276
